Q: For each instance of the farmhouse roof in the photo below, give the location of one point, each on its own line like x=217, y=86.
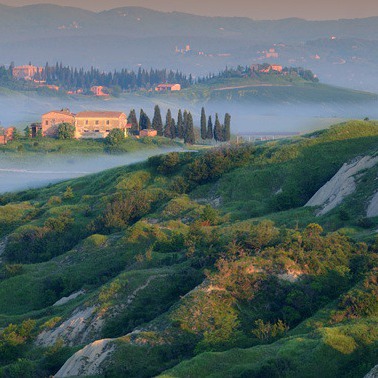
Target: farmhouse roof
x=104, y=114
x=62, y=111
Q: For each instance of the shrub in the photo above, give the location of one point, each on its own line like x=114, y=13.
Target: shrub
x=212, y=164
x=54, y=200
x=68, y=194
x=267, y=331
x=66, y=131
x=14, y=269
x=115, y=137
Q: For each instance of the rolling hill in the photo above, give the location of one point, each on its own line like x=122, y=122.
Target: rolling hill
x=199, y=264
x=273, y=89
x=132, y=36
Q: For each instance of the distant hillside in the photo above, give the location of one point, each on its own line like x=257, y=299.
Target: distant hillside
x=140, y=22
x=275, y=89
x=132, y=36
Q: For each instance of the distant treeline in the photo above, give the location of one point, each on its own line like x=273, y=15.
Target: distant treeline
x=182, y=127
x=72, y=78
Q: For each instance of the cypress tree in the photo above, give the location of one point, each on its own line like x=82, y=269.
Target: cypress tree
x=132, y=119
x=210, y=134
x=185, y=120
x=203, y=124
x=27, y=131
x=189, y=132
x=227, y=128
x=180, y=125
x=218, y=132
x=168, y=125
x=144, y=121
x=157, y=123
x=173, y=129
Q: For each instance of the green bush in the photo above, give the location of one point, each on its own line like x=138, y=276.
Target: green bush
x=66, y=131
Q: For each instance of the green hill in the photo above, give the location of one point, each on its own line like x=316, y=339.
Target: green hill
x=274, y=89
x=197, y=264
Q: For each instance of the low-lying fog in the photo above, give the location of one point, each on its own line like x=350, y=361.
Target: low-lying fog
x=19, y=173
x=21, y=110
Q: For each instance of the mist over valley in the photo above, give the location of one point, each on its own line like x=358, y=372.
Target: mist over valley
x=187, y=196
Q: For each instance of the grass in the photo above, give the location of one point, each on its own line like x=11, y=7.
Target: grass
x=324, y=353
x=82, y=146
x=138, y=275
x=272, y=88
x=283, y=177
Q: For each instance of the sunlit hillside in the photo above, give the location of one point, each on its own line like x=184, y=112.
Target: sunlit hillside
x=248, y=260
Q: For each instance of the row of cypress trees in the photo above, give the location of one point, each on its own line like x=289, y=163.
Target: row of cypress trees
x=183, y=128
x=218, y=132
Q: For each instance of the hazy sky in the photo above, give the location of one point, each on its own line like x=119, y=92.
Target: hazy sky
x=256, y=9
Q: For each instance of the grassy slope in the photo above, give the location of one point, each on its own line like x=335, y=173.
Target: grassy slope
x=93, y=262
x=83, y=146
x=328, y=352
x=271, y=88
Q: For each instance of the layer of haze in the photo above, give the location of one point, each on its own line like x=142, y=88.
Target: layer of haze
x=256, y=9
x=20, y=173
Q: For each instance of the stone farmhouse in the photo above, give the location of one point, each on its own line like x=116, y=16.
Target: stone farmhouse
x=168, y=88
x=6, y=135
x=26, y=72
x=88, y=124
x=147, y=133
x=99, y=91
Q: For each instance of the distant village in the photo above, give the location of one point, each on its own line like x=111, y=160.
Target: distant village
x=39, y=77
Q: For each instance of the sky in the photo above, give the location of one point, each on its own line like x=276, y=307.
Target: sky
x=255, y=9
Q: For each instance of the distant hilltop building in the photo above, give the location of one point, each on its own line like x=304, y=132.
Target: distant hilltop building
x=184, y=50
x=266, y=68
x=99, y=91
x=6, y=135
x=26, y=72
x=271, y=53
x=168, y=88
x=89, y=124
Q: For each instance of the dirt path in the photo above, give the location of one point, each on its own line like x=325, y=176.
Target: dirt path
x=252, y=86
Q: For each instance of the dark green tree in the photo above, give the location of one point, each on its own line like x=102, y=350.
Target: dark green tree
x=16, y=134
x=115, y=137
x=168, y=125
x=28, y=133
x=39, y=134
x=218, y=132
x=157, y=123
x=227, y=128
x=66, y=131
x=144, y=121
x=180, y=125
x=174, y=129
x=189, y=130
x=210, y=131
x=132, y=119
x=203, y=124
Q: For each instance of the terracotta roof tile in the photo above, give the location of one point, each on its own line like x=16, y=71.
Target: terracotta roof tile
x=104, y=114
